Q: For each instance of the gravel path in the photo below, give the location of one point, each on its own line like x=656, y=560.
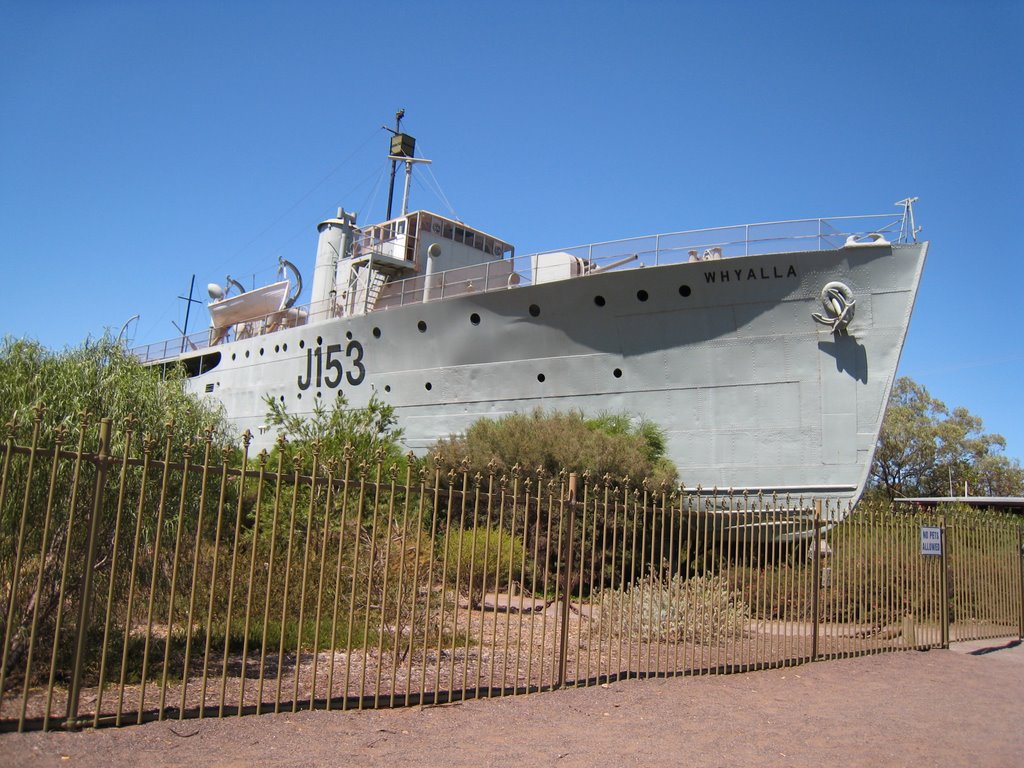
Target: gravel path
x=963, y=706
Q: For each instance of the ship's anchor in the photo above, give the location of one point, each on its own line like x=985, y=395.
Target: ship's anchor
x=837, y=299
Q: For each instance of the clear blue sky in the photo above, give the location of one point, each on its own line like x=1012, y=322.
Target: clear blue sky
x=143, y=142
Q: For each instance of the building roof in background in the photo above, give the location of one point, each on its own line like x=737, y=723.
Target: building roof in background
x=1006, y=503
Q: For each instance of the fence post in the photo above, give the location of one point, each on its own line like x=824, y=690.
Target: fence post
x=16, y=572
x=563, y=637
x=102, y=459
x=1020, y=560
x=816, y=583
x=944, y=540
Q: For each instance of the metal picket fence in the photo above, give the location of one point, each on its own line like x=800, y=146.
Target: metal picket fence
x=153, y=577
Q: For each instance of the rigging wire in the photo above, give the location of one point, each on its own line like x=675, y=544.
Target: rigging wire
x=437, y=190
x=297, y=203
x=261, y=276
x=371, y=197
x=428, y=184
x=152, y=327
x=326, y=213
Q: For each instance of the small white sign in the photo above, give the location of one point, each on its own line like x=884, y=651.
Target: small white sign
x=931, y=541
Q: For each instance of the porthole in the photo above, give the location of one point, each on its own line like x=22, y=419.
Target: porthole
x=277, y=347
x=233, y=355
x=534, y=310
x=599, y=300
x=319, y=393
x=641, y=295
x=284, y=347
x=319, y=341
x=282, y=398
x=302, y=344
x=617, y=373
x=540, y=377
x=299, y=395
x=261, y=351
x=474, y=319
x=348, y=335
x=247, y=354
x=376, y=333
x=684, y=291
x=422, y=326
x=428, y=386
x=387, y=387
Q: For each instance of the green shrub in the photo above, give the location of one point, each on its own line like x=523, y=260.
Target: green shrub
x=610, y=444
x=103, y=378
x=479, y=559
x=371, y=434
x=50, y=391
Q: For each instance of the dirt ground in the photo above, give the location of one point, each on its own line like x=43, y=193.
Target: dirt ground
x=963, y=706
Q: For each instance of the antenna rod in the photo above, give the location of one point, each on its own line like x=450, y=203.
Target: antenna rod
x=188, y=307
x=394, y=163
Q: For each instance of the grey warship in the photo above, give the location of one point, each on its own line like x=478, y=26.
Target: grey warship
x=766, y=351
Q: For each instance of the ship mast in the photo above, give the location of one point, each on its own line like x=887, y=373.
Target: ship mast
x=394, y=163
x=403, y=149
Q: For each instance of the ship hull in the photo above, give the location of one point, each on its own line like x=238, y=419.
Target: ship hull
x=725, y=355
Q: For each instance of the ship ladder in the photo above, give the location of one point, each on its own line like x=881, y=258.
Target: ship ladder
x=375, y=284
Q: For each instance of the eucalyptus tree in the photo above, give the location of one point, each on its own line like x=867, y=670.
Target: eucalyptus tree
x=928, y=449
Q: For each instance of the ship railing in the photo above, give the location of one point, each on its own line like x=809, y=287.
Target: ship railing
x=739, y=240
x=612, y=255
x=171, y=348
x=648, y=251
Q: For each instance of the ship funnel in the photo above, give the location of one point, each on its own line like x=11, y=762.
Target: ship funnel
x=334, y=244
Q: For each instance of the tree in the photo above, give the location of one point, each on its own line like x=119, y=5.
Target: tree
x=925, y=448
